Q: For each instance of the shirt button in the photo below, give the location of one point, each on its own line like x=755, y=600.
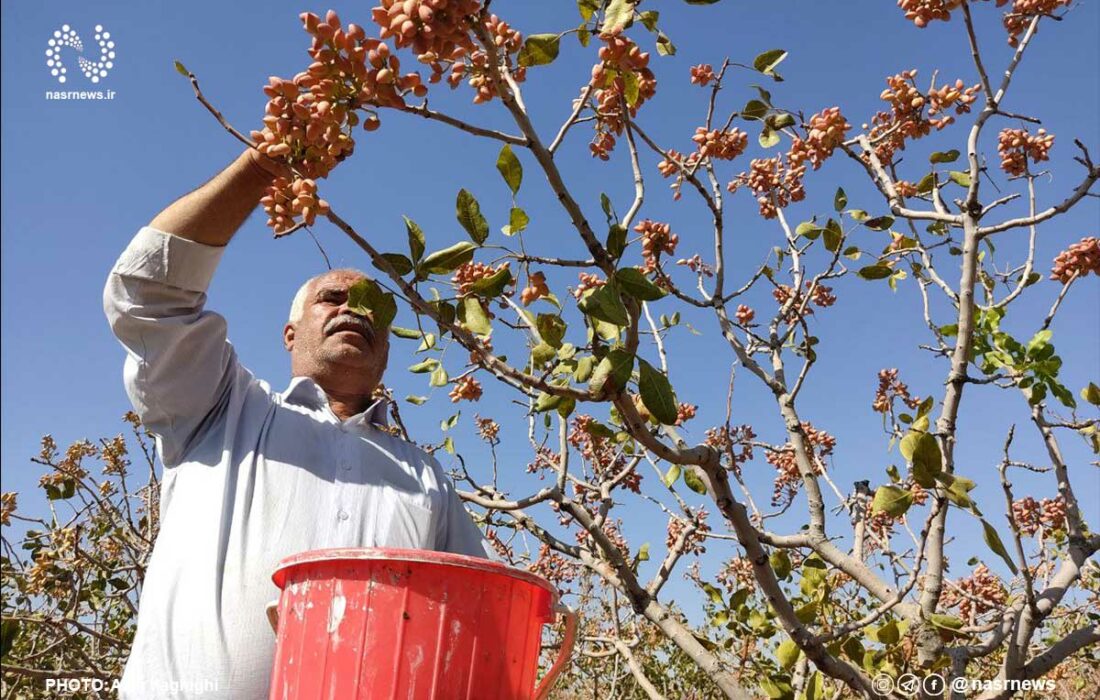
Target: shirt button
x=343, y=515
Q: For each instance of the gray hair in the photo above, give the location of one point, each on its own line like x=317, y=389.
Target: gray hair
x=298, y=306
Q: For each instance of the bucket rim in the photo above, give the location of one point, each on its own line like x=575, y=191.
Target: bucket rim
x=419, y=556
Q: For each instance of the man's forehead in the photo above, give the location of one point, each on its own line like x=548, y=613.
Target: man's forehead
x=337, y=279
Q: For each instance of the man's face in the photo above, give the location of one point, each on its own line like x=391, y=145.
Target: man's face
x=330, y=342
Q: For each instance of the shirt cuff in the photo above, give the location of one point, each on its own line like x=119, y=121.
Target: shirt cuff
x=161, y=257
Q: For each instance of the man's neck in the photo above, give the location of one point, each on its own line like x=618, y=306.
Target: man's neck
x=346, y=405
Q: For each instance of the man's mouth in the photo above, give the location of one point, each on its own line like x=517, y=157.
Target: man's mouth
x=349, y=323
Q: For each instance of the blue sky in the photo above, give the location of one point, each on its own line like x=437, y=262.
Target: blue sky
x=80, y=177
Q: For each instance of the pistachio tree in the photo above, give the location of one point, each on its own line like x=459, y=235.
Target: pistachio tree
x=861, y=588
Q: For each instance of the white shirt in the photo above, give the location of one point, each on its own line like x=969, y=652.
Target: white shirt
x=251, y=476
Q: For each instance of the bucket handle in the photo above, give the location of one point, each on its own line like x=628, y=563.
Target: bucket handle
x=564, y=653
x=272, y=611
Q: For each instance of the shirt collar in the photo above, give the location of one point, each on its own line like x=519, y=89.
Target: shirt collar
x=303, y=391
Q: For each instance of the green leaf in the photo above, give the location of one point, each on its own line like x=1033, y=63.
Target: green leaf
x=424, y=366
x=989, y=533
x=400, y=264
x=657, y=394
x=182, y=70
x=619, y=15
x=879, y=223
x=649, y=19
x=767, y=61
x=416, y=400
x=616, y=240
x=768, y=138
x=366, y=298
x=541, y=354
x=539, y=50
x=1038, y=341
x=416, y=239
x=776, y=690
x=834, y=236
x=469, y=215
x=787, y=654
x=892, y=500
x=406, y=333
x=926, y=183
x=445, y=261
x=494, y=284
x=604, y=304
x=853, y=649
x=754, y=109
x=958, y=490
x=806, y=227
x=815, y=687
x=927, y=460
x=584, y=36
x=944, y=156
x=588, y=8
x=665, y=47
x=448, y=423
x=888, y=633
x=1091, y=393
x=608, y=210
x=475, y=317
x=613, y=371
x=949, y=625
x=509, y=167
x=840, y=199
x=551, y=328
x=631, y=88
x=780, y=562
x=517, y=221
x=584, y=369
x=638, y=285
x=714, y=594
x=673, y=474
x=875, y=272
x=780, y=120
x=546, y=402
x=439, y=377
x=959, y=178
x=695, y=482
x=908, y=444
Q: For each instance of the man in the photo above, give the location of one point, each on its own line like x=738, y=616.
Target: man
x=250, y=475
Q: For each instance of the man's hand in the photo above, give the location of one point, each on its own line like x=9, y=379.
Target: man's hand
x=267, y=167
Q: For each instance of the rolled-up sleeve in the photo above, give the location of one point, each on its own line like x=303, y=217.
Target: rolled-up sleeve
x=178, y=365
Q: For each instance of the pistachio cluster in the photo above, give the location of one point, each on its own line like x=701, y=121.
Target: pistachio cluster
x=1078, y=260
x=1016, y=147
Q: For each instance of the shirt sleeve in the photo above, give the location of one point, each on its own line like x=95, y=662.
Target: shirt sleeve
x=179, y=366
x=459, y=534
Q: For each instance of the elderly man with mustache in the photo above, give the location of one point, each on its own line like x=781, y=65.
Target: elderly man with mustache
x=252, y=475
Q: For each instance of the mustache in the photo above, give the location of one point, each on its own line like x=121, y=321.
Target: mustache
x=350, y=322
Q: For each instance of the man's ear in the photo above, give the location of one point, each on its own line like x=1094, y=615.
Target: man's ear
x=288, y=337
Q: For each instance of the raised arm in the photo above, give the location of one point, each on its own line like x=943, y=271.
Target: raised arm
x=212, y=213
x=179, y=368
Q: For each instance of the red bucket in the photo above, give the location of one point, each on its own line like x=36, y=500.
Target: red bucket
x=359, y=624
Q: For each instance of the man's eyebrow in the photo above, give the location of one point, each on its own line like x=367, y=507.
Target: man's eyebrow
x=330, y=288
